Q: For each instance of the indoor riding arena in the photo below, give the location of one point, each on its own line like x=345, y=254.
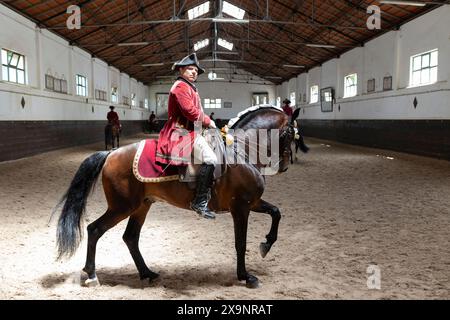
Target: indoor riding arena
x=355, y=204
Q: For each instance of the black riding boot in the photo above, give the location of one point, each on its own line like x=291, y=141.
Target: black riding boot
x=203, y=192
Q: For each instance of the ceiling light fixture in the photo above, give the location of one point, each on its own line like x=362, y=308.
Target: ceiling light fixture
x=292, y=66
x=127, y=44
x=404, y=3
x=318, y=45
x=228, y=20
x=152, y=64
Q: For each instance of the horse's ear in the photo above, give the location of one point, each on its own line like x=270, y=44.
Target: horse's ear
x=295, y=115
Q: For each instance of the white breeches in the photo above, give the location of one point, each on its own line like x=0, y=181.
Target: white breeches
x=203, y=153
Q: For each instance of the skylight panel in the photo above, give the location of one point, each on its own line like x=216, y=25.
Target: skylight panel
x=201, y=44
x=232, y=10
x=224, y=43
x=198, y=10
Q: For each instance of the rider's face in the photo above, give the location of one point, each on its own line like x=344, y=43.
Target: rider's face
x=189, y=73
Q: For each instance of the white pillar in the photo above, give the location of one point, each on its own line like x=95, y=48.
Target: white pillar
x=71, y=77
x=397, y=56
x=39, y=63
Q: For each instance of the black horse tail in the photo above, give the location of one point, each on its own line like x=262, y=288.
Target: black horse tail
x=301, y=144
x=303, y=147
x=68, y=233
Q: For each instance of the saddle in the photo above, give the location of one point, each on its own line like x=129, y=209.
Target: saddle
x=146, y=169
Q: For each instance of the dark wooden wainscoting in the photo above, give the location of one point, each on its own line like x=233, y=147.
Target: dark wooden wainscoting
x=25, y=138
x=422, y=137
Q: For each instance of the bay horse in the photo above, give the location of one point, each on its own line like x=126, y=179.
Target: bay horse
x=112, y=134
x=238, y=191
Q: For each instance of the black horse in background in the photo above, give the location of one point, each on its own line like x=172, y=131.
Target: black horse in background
x=112, y=134
x=298, y=140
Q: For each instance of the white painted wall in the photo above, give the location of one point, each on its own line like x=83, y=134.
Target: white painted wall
x=386, y=55
x=101, y=76
x=48, y=53
x=239, y=94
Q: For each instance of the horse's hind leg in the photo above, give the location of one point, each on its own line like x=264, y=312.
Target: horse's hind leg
x=240, y=214
x=95, y=230
x=265, y=207
x=131, y=238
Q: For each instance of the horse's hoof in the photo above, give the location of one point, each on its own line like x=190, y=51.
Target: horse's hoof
x=252, y=282
x=149, y=276
x=152, y=276
x=92, y=282
x=264, y=248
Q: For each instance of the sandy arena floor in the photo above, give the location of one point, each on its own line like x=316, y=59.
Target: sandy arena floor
x=343, y=208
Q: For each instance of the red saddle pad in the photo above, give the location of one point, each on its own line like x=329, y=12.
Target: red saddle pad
x=146, y=169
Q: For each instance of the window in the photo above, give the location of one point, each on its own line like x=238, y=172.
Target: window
x=64, y=86
x=81, y=83
x=114, y=95
x=371, y=85
x=198, y=10
x=278, y=101
x=58, y=85
x=326, y=99
x=387, y=83
x=424, y=68
x=213, y=103
x=162, y=100
x=201, y=44
x=49, y=82
x=100, y=95
x=232, y=10
x=350, y=85
x=54, y=84
x=224, y=43
x=13, y=67
x=126, y=100
x=146, y=103
x=260, y=98
x=133, y=99
x=292, y=98
x=314, y=94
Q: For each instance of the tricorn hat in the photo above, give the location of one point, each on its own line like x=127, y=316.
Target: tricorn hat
x=111, y=107
x=190, y=60
x=287, y=101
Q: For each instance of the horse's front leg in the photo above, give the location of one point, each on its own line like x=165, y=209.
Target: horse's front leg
x=240, y=212
x=265, y=207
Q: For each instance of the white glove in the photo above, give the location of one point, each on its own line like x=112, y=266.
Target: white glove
x=212, y=124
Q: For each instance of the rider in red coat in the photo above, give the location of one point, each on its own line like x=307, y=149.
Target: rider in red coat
x=287, y=108
x=113, y=117
x=178, y=139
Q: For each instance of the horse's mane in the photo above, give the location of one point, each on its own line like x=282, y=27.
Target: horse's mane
x=250, y=113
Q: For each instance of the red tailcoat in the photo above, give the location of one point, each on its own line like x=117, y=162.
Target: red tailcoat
x=176, y=138
x=288, y=110
x=113, y=118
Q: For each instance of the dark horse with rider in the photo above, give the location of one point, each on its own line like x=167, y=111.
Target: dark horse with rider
x=238, y=190
x=112, y=129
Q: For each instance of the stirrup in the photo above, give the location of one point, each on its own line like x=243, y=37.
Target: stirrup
x=203, y=212
x=207, y=214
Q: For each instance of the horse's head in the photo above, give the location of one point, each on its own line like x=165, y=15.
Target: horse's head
x=272, y=119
